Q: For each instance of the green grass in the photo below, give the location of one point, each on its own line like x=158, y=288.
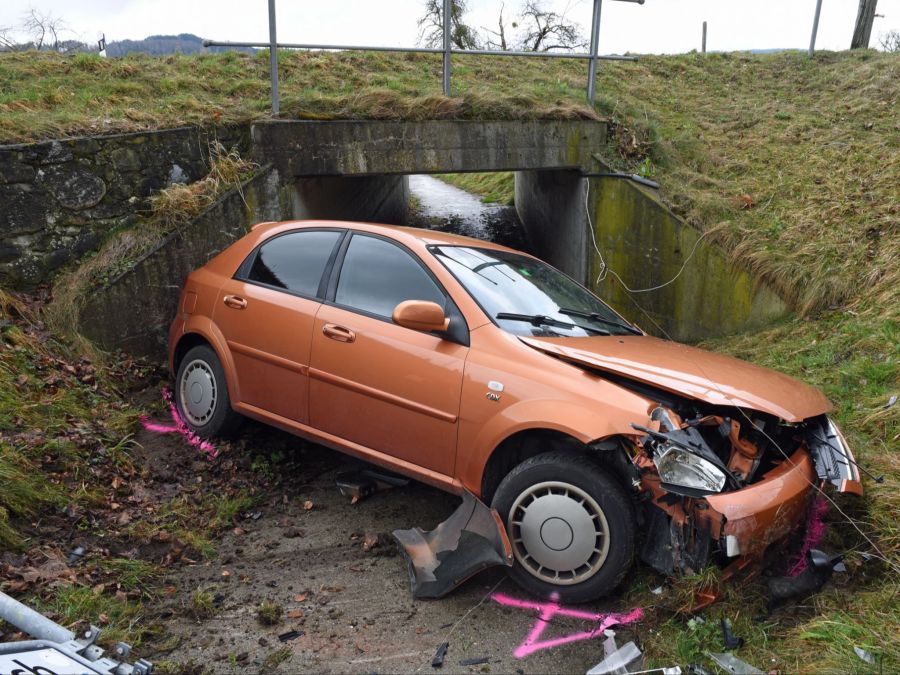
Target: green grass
x=791, y=165
x=494, y=188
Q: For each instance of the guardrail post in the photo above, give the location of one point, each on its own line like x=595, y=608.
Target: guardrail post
x=446, y=17
x=595, y=47
x=815, y=28
x=273, y=57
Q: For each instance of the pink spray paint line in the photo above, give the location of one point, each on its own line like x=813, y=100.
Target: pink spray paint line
x=547, y=610
x=815, y=531
x=179, y=427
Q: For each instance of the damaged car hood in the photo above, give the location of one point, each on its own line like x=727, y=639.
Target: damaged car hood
x=691, y=372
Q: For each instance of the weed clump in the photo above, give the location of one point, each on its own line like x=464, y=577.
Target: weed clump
x=269, y=613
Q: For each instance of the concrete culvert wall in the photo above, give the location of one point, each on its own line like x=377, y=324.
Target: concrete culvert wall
x=134, y=310
x=646, y=244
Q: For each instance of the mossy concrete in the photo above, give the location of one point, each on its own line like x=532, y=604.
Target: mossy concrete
x=646, y=245
x=367, y=147
x=133, y=311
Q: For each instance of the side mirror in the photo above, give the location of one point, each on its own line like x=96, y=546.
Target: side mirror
x=420, y=315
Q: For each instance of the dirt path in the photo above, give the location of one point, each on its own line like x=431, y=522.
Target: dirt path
x=353, y=607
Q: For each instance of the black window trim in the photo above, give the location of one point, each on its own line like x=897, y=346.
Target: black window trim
x=432, y=248
x=459, y=329
x=243, y=271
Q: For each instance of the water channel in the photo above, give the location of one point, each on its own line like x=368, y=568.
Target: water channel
x=445, y=207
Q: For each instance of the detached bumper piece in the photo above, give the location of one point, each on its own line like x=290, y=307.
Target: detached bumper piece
x=472, y=539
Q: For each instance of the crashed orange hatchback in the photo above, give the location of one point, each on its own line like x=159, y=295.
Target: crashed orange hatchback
x=479, y=369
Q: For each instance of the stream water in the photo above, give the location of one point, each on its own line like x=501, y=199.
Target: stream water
x=444, y=207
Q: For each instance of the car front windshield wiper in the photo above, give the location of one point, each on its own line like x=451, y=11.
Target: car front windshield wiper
x=543, y=320
x=597, y=317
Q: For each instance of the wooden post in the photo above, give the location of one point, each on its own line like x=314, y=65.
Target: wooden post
x=865, y=17
x=703, y=44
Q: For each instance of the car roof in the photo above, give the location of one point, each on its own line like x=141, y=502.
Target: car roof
x=400, y=233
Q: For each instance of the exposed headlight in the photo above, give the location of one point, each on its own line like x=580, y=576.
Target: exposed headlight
x=680, y=467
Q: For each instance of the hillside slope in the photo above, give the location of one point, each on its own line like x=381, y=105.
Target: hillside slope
x=792, y=165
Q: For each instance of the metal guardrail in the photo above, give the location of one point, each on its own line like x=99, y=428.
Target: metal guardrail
x=593, y=56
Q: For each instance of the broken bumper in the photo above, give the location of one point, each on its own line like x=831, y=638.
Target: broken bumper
x=683, y=532
x=763, y=513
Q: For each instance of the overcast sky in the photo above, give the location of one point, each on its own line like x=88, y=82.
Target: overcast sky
x=658, y=26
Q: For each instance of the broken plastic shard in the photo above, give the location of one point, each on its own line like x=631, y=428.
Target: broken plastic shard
x=732, y=664
x=864, y=655
x=472, y=539
x=625, y=659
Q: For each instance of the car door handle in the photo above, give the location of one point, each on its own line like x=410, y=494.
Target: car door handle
x=235, y=301
x=338, y=333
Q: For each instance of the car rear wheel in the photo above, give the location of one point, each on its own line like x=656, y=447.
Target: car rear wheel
x=571, y=526
x=201, y=394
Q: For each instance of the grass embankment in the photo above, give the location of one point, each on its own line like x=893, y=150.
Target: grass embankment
x=73, y=474
x=792, y=164
x=496, y=188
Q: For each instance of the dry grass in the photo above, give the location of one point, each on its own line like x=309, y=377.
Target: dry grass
x=171, y=208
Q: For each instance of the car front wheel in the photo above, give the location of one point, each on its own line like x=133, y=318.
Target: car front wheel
x=571, y=526
x=201, y=394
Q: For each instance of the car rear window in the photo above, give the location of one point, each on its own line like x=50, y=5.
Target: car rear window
x=294, y=261
x=377, y=276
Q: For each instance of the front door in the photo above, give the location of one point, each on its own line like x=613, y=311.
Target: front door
x=266, y=313
x=375, y=383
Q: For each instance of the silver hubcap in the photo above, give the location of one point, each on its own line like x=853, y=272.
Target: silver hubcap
x=198, y=392
x=559, y=533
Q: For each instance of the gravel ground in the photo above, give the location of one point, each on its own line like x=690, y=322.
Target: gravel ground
x=352, y=607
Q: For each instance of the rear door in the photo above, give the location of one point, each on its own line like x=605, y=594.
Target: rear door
x=266, y=314
x=375, y=383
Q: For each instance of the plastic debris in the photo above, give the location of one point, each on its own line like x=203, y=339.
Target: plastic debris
x=891, y=402
x=290, y=635
x=473, y=538
x=477, y=661
x=819, y=569
x=730, y=639
x=617, y=660
x=732, y=664
x=439, y=655
x=864, y=655
x=657, y=591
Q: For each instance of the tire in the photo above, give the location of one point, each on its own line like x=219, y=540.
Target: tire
x=201, y=394
x=571, y=525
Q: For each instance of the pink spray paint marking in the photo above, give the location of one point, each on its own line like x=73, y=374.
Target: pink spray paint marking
x=547, y=610
x=815, y=531
x=179, y=427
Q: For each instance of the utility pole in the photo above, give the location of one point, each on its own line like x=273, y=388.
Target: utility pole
x=703, y=43
x=273, y=58
x=448, y=9
x=865, y=17
x=812, y=39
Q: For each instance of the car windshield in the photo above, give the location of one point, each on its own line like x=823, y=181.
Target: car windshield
x=525, y=296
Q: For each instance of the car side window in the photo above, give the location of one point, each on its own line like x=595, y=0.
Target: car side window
x=377, y=275
x=294, y=261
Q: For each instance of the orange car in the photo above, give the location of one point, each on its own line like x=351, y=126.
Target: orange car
x=471, y=366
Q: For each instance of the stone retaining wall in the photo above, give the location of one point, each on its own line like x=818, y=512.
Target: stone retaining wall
x=59, y=199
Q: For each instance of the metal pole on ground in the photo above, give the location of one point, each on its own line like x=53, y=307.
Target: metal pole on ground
x=273, y=57
x=703, y=44
x=446, y=17
x=815, y=29
x=595, y=46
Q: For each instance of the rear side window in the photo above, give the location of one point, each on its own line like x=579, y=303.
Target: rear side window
x=294, y=261
x=377, y=276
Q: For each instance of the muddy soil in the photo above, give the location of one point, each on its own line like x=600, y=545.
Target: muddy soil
x=304, y=549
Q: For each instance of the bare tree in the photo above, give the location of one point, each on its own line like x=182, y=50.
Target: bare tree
x=500, y=34
x=546, y=30
x=890, y=41
x=431, y=26
x=7, y=41
x=44, y=29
